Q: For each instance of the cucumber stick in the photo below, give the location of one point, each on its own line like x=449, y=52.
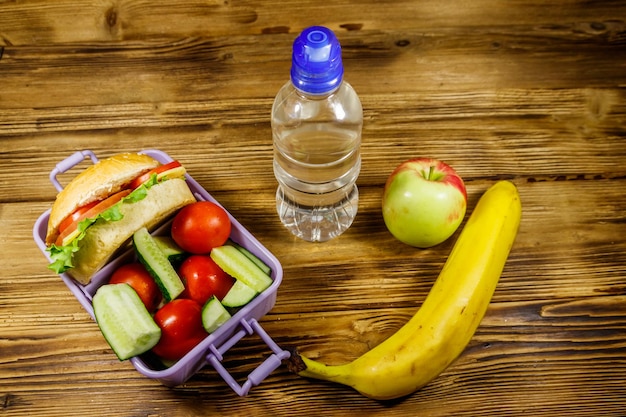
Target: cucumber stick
x=169, y=247
x=240, y=267
x=214, y=314
x=264, y=267
x=124, y=320
x=239, y=295
x=157, y=264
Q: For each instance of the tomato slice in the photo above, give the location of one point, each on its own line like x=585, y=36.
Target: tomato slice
x=158, y=170
x=98, y=208
x=76, y=215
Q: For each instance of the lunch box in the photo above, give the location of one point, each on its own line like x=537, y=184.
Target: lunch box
x=212, y=349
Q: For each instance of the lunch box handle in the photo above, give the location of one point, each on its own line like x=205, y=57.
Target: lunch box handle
x=261, y=372
x=68, y=163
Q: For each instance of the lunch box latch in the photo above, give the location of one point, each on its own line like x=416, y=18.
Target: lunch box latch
x=271, y=363
x=69, y=163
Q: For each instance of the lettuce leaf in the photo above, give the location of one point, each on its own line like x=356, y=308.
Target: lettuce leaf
x=62, y=256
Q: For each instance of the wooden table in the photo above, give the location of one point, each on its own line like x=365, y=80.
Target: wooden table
x=528, y=91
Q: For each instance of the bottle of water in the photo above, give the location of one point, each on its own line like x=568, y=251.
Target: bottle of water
x=316, y=126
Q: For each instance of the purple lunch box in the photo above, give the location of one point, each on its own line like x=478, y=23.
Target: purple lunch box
x=212, y=349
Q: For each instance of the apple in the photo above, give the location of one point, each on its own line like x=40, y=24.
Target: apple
x=424, y=202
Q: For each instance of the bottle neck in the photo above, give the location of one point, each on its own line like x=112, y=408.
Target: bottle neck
x=316, y=96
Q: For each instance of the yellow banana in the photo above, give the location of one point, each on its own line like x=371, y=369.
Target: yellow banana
x=443, y=326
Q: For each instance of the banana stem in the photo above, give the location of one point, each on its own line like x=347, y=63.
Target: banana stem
x=308, y=368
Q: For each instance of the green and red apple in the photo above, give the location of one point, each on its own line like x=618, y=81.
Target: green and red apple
x=424, y=202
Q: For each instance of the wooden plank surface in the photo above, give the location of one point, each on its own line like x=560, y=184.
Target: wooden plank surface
x=526, y=91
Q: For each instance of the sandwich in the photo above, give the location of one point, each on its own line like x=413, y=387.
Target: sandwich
x=97, y=213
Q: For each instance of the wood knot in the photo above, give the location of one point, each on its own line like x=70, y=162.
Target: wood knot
x=111, y=17
x=8, y=400
x=351, y=26
x=275, y=30
x=598, y=26
x=599, y=103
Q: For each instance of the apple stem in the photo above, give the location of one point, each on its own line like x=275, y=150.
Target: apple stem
x=430, y=172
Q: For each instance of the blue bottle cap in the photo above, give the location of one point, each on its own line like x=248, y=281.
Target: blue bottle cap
x=316, y=66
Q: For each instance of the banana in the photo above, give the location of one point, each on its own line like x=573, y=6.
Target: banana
x=443, y=326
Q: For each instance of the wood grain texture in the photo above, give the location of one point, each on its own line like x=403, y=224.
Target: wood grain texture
x=527, y=91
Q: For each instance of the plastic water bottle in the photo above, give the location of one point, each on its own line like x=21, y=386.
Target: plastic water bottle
x=316, y=126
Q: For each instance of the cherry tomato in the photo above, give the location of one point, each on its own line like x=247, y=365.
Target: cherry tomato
x=180, y=321
x=200, y=227
x=204, y=278
x=136, y=275
x=158, y=170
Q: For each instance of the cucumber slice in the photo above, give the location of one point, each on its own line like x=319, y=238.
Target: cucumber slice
x=214, y=314
x=124, y=320
x=168, y=246
x=239, y=295
x=240, y=267
x=157, y=264
x=258, y=262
